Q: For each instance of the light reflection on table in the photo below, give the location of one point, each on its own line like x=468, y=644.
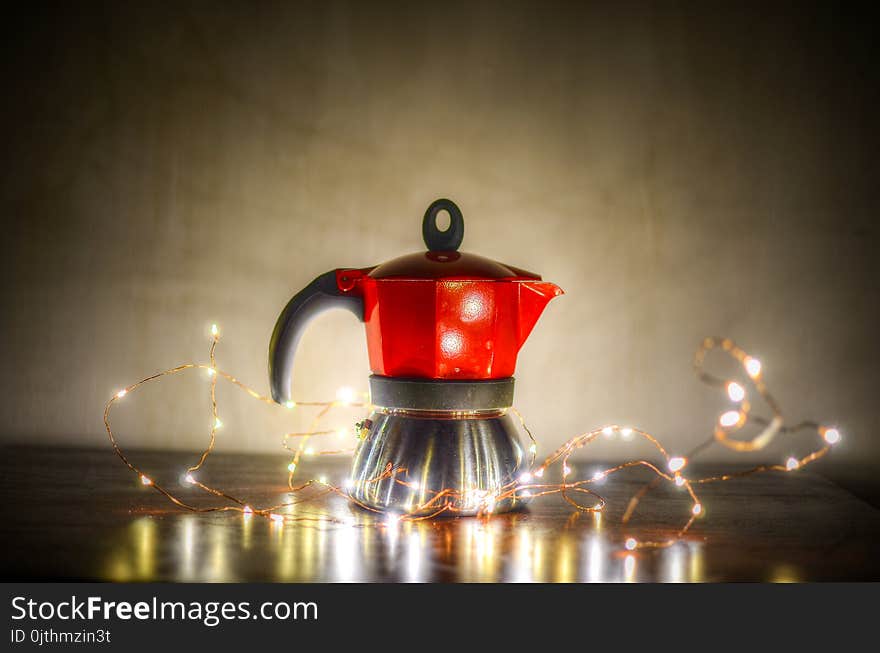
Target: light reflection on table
x=511, y=548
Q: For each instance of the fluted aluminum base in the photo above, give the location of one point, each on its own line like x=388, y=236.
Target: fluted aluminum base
x=476, y=457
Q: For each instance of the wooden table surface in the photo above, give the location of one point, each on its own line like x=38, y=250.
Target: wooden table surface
x=75, y=514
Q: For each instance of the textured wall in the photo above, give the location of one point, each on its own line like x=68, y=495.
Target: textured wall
x=679, y=172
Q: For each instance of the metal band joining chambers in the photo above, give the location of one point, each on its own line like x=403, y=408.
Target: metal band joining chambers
x=441, y=395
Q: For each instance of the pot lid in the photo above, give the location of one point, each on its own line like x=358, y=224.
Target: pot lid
x=443, y=260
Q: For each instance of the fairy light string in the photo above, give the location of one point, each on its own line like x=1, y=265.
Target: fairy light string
x=579, y=493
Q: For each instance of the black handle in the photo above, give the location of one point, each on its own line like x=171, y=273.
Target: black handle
x=443, y=241
x=319, y=296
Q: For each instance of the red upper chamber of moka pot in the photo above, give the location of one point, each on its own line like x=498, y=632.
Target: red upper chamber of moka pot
x=440, y=314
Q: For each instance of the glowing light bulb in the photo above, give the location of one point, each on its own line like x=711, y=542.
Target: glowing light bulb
x=677, y=463
x=309, y=451
x=679, y=480
x=215, y=331
x=598, y=476
x=730, y=418
x=566, y=470
x=525, y=478
x=290, y=404
x=626, y=433
x=121, y=393
x=539, y=472
x=735, y=391
x=248, y=511
x=753, y=367
x=345, y=395
x=291, y=468
x=211, y=371
x=832, y=436
x=792, y=464
x=608, y=431
x=218, y=423
x=392, y=520
x=275, y=517
x=631, y=543
x=348, y=484
x=342, y=433
x=190, y=479
x=415, y=485
x=145, y=480
x=322, y=479
x=533, y=448
x=525, y=494
x=697, y=509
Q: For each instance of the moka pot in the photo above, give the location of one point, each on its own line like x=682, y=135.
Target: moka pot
x=443, y=332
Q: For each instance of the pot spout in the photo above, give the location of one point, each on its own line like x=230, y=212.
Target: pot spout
x=533, y=299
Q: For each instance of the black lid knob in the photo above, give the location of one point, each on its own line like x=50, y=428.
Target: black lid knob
x=443, y=241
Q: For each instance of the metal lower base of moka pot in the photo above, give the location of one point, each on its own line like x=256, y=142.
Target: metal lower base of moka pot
x=438, y=447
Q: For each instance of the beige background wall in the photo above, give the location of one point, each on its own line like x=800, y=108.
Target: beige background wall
x=678, y=172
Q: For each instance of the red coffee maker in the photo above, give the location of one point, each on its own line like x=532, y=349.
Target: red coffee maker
x=443, y=331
